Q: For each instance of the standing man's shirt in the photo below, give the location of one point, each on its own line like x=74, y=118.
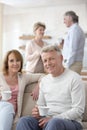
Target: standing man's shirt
x=73, y=49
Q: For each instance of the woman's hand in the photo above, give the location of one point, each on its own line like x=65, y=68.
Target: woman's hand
x=35, y=92
x=1, y=89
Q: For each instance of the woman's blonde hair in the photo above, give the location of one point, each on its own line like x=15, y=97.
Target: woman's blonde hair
x=17, y=55
x=37, y=25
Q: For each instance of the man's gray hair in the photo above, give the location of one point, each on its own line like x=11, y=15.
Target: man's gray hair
x=50, y=48
x=74, y=16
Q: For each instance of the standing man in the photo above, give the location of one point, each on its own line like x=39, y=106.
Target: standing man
x=62, y=92
x=73, y=49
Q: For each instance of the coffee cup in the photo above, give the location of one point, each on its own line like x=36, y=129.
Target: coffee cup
x=6, y=95
x=43, y=110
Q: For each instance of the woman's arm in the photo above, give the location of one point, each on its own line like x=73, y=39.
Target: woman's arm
x=35, y=92
x=33, y=77
x=29, y=53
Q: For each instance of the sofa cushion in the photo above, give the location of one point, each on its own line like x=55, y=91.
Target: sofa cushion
x=85, y=113
x=84, y=126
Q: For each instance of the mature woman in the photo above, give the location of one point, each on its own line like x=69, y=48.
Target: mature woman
x=33, y=48
x=13, y=79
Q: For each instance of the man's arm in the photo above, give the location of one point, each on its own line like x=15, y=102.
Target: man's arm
x=78, y=102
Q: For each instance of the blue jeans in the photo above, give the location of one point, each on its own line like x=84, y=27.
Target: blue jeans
x=31, y=123
x=6, y=115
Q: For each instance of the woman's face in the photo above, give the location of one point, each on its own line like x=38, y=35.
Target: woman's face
x=14, y=64
x=40, y=32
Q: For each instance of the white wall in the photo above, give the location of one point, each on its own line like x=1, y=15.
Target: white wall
x=19, y=23
x=1, y=33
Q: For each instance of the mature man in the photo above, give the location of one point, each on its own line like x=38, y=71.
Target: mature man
x=62, y=91
x=73, y=49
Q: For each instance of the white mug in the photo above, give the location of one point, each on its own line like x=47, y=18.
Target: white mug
x=43, y=110
x=6, y=95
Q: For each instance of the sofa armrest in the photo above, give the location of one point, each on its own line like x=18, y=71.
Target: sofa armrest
x=85, y=112
x=28, y=102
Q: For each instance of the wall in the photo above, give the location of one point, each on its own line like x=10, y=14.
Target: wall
x=17, y=23
x=1, y=15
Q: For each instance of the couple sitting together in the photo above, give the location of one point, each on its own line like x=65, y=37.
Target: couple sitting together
x=61, y=90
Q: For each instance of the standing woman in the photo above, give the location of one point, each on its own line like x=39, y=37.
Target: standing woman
x=12, y=78
x=33, y=48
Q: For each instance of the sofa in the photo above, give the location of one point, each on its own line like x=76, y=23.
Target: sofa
x=28, y=104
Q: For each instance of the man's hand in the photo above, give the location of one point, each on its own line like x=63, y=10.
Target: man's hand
x=44, y=120
x=35, y=112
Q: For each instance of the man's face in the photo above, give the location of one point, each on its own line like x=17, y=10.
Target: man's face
x=68, y=21
x=52, y=62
